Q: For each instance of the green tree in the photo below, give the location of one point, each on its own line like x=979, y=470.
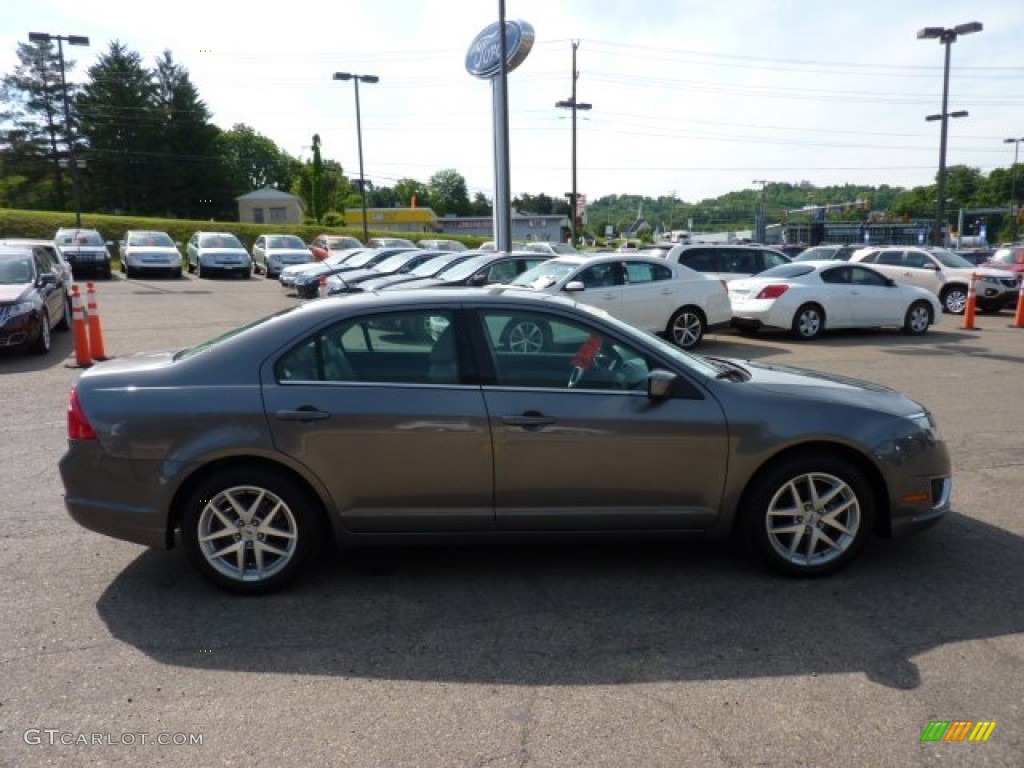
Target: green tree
x=34, y=137
x=407, y=189
x=121, y=127
x=193, y=181
x=253, y=161
x=448, y=193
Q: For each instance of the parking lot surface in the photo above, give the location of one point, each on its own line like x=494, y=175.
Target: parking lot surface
x=557, y=655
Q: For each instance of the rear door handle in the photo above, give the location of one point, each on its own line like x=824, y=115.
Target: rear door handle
x=302, y=413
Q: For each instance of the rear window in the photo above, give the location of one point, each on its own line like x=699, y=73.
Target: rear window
x=794, y=269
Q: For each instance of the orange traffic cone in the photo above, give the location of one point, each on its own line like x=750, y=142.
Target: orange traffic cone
x=972, y=301
x=322, y=288
x=1018, y=316
x=95, y=331
x=83, y=356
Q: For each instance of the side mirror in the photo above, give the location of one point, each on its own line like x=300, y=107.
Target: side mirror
x=574, y=286
x=890, y=282
x=48, y=278
x=660, y=384
x=930, y=265
x=480, y=279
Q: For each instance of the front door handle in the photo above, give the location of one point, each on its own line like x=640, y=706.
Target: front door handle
x=302, y=413
x=528, y=419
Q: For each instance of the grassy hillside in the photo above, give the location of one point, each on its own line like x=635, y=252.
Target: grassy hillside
x=43, y=224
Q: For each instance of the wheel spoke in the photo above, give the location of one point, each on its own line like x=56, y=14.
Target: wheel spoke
x=220, y=534
x=794, y=545
x=234, y=547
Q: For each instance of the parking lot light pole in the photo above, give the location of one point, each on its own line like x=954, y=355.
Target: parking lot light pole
x=1014, y=206
x=45, y=37
x=359, y=138
x=946, y=37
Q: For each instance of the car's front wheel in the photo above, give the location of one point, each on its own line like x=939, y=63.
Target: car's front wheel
x=954, y=299
x=43, y=341
x=809, y=514
x=250, y=531
x=918, y=318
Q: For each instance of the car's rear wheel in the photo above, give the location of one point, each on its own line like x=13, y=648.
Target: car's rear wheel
x=686, y=327
x=918, y=318
x=808, y=322
x=954, y=299
x=524, y=335
x=809, y=515
x=251, y=531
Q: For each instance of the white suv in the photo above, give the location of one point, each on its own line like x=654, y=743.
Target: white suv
x=647, y=292
x=944, y=273
x=149, y=251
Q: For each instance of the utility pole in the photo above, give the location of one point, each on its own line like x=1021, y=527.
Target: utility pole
x=574, y=105
x=760, y=228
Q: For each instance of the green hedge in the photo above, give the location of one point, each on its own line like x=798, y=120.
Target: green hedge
x=44, y=224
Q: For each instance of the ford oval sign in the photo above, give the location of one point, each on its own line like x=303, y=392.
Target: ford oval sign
x=483, y=59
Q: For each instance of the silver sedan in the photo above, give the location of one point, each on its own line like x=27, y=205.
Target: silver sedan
x=328, y=417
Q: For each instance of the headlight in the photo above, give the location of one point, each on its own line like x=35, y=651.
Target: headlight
x=926, y=423
x=21, y=308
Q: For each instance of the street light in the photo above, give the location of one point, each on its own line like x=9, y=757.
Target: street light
x=44, y=37
x=1014, y=207
x=359, y=137
x=575, y=106
x=946, y=37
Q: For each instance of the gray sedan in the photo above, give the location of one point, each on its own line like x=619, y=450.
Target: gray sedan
x=327, y=417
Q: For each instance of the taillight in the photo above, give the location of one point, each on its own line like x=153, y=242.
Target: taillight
x=79, y=427
x=772, y=291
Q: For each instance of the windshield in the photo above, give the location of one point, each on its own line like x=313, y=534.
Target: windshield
x=1007, y=256
x=436, y=265
x=285, y=241
x=361, y=259
x=219, y=241
x=396, y=262
x=341, y=256
x=544, y=275
x=152, y=239
x=950, y=259
x=467, y=267
x=817, y=253
x=80, y=237
x=15, y=269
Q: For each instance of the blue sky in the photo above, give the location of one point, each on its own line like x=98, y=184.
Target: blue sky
x=689, y=98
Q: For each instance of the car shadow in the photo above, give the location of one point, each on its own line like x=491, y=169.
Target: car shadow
x=62, y=352
x=583, y=614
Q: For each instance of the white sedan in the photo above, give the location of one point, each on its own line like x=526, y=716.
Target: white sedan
x=809, y=297
x=647, y=292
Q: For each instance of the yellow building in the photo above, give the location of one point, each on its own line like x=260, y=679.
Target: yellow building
x=393, y=219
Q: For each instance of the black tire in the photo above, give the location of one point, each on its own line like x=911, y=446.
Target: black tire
x=179, y=274
x=108, y=272
x=291, y=528
x=129, y=273
x=686, y=327
x=65, y=321
x=846, y=516
x=43, y=341
x=917, y=319
x=199, y=270
x=808, y=322
x=191, y=268
x=525, y=335
x=954, y=299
